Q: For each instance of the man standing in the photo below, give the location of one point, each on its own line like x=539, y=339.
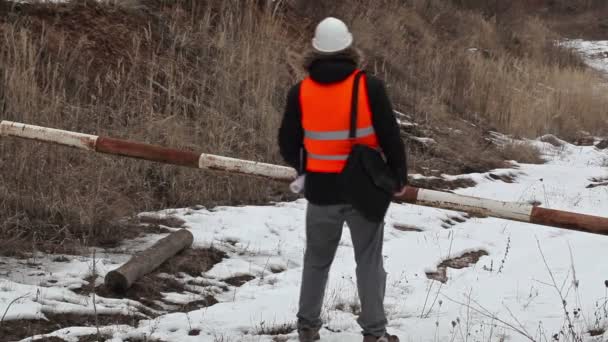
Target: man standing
x=314, y=139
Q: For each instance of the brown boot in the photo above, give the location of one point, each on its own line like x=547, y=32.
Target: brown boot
x=385, y=338
x=309, y=334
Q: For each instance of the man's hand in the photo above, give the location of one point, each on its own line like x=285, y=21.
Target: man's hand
x=401, y=193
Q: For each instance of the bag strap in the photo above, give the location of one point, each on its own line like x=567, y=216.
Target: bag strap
x=354, y=106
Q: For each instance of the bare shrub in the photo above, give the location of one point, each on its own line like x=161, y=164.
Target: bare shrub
x=275, y=328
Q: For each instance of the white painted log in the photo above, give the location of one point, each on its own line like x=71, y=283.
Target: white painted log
x=475, y=206
x=49, y=135
x=210, y=161
x=146, y=151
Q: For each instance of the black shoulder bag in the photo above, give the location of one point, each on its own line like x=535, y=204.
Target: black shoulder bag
x=367, y=182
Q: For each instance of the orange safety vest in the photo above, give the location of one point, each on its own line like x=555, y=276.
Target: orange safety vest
x=326, y=112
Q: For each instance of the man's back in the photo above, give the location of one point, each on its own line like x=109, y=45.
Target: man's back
x=323, y=188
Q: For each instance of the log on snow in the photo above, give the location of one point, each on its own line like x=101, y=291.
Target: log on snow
x=148, y=260
x=515, y=211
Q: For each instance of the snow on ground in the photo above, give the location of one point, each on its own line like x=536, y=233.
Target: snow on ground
x=511, y=292
x=595, y=53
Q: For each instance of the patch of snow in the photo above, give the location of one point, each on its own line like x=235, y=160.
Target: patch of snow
x=595, y=53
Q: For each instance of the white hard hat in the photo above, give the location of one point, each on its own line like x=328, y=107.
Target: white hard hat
x=331, y=36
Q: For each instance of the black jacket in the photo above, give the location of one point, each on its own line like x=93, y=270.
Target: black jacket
x=323, y=188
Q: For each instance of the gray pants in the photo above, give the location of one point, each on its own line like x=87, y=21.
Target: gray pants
x=323, y=232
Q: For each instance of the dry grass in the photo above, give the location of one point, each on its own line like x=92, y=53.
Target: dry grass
x=442, y=62
x=522, y=153
x=204, y=77
x=265, y=328
x=212, y=76
x=498, y=7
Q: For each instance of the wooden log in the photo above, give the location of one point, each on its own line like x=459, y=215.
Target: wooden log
x=515, y=211
x=523, y=212
x=148, y=260
x=139, y=150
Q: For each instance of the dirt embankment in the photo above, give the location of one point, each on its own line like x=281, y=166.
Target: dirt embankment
x=212, y=77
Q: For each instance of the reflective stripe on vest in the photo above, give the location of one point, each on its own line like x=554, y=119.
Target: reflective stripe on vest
x=338, y=135
x=328, y=157
x=326, y=112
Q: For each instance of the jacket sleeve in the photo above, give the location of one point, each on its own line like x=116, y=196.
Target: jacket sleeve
x=387, y=129
x=291, y=133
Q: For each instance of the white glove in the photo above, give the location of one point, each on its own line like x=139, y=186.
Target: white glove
x=297, y=186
